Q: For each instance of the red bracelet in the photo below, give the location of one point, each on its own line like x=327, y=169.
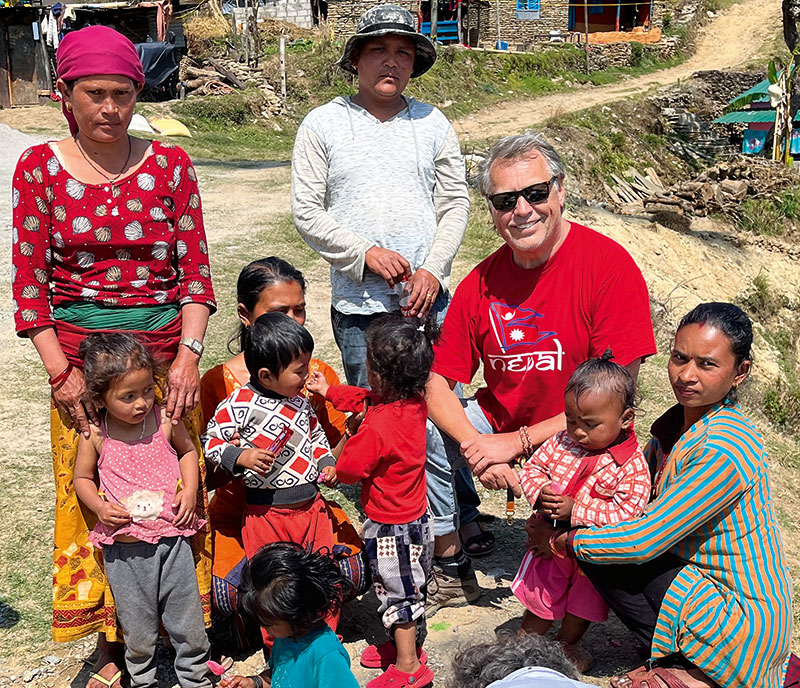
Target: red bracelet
x=61, y=378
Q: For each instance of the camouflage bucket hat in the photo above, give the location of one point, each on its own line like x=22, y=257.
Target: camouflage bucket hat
x=385, y=19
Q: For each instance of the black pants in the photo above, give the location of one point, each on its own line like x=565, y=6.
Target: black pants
x=635, y=591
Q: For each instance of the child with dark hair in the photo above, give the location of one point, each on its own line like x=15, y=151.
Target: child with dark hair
x=282, y=452
x=139, y=474
x=387, y=455
x=291, y=590
x=593, y=473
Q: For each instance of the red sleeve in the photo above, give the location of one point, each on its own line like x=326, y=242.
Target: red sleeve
x=535, y=474
x=194, y=273
x=30, y=251
x=361, y=454
x=621, y=311
x=456, y=354
x=346, y=398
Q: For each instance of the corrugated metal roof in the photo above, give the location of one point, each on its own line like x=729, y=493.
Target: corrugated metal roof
x=750, y=116
x=759, y=89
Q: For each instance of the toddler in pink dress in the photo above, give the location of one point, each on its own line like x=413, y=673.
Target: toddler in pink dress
x=148, y=473
x=591, y=474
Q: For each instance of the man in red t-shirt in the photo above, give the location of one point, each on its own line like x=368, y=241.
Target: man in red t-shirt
x=554, y=295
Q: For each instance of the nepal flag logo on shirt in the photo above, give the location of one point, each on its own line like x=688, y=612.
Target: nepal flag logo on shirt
x=514, y=326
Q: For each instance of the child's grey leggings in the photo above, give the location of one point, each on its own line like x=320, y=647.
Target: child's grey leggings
x=152, y=582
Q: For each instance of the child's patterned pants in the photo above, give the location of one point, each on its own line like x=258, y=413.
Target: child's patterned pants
x=400, y=557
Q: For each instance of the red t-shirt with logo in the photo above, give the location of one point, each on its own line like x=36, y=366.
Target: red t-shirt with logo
x=532, y=328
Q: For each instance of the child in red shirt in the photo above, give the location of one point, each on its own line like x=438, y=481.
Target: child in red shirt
x=387, y=455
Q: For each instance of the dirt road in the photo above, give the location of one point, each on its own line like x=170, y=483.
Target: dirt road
x=728, y=41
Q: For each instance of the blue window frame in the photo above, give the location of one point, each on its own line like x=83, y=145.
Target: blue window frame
x=596, y=6
x=528, y=9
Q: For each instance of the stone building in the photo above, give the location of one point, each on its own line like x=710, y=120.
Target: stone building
x=521, y=23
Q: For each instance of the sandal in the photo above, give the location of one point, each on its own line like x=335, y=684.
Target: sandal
x=649, y=676
x=479, y=545
x=394, y=678
x=109, y=682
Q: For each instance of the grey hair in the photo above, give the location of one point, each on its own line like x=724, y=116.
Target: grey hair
x=519, y=146
x=479, y=665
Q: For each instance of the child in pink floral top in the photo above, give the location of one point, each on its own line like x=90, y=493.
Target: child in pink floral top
x=591, y=474
x=148, y=474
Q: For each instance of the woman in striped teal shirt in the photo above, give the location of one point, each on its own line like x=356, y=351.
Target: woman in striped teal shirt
x=701, y=577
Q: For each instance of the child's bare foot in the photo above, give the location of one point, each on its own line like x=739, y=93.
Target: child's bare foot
x=578, y=656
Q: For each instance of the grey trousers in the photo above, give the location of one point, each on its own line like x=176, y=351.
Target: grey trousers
x=152, y=583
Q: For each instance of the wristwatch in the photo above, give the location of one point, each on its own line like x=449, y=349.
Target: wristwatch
x=194, y=345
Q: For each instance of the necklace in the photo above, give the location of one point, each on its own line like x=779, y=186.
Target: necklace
x=144, y=423
x=101, y=172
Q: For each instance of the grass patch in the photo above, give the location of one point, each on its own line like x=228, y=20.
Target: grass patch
x=761, y=302
x=771, y=216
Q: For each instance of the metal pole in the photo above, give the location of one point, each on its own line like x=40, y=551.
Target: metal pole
x=434, y=19
x=283, y=66
x=586, y=30
x=498, y=25
x=458, y=22
x=619, y=7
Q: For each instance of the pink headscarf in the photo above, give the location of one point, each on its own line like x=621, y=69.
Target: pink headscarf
x=96, y=50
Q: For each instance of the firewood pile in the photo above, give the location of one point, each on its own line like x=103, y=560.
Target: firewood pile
x=220, y=76
x=720, y=188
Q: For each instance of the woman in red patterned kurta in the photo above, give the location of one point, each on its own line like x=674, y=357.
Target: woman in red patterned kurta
x=107, y=235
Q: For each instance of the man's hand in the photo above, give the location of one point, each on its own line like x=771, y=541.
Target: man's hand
x=501, y=477
x=112, y=515
x=422, y=292
x=328, y=475
x=483, y=451
x=388, y=264
x=317, y=383
x=258, y=460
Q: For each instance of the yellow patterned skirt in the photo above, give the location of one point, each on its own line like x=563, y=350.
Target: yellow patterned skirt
x=82, y=600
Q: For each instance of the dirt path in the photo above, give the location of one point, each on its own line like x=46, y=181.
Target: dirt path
x=728, y=41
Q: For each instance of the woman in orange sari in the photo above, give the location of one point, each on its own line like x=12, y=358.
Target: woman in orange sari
x=266, y=285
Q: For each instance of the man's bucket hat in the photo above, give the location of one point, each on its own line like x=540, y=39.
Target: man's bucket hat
x=386, y=19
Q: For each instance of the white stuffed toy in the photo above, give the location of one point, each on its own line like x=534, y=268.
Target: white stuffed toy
x=144, y=505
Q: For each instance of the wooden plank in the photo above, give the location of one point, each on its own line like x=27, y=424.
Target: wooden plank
x=229, y=76
x=611, y=193
x=652, y=174
x=5, y=74
x=22, y=59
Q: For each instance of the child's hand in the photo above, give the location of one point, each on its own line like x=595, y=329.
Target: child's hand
x=241, y=681
x=112, y=515
x=258, y=460
x=317, y=383
x=555, y=506
x=185, y=503
x=329, y=476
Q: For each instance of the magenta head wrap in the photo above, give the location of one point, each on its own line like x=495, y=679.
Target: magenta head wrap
x=96, y=50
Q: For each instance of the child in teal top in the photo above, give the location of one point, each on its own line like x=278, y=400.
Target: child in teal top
x=290, y=590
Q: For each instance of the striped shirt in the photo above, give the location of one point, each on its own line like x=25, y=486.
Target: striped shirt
x=729, y=610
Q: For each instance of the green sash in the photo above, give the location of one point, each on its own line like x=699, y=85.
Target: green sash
x=94, y=316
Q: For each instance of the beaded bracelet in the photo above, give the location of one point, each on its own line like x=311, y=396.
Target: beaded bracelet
x=553, y=549
x=527, y=445
x=61, y=378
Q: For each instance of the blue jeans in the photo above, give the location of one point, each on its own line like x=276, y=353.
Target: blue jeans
x=451, y=492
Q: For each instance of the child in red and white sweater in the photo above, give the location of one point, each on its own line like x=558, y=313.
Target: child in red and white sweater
x=387, y=455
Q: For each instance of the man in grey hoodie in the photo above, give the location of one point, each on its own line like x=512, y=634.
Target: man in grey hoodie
x=378, y=186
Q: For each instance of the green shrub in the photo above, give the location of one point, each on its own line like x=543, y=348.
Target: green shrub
x=781, y=404
x=761, y=216
x=233, y=108
x=637, y=53
x=761, y=302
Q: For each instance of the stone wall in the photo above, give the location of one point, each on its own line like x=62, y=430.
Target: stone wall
x=296, y=12
x=343, y=15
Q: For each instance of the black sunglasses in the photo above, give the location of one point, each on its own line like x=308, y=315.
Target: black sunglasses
x=535, y=193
